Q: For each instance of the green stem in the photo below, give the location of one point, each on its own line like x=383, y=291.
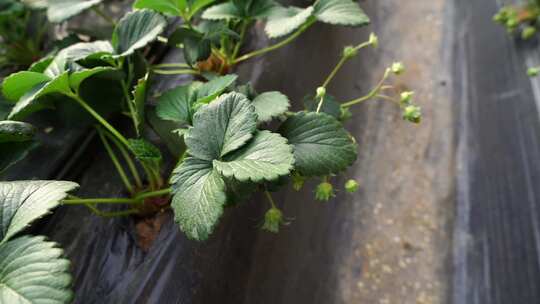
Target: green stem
x=82, y=201
x=270, y=199
x=243, y=31
x=100, y=119
x=171, y=65
x=132, y=111
x=176, y=72
x=103, y=15
x=371, y=94
x=277, y=45
x=336, y=69
x=127, y=157
x=73, y=200
x=115, y=161
x=161, y=192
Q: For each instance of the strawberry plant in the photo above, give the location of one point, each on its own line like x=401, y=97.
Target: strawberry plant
x=522, y=19
x=235, y=140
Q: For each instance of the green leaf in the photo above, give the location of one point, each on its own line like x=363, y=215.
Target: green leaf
x=321, y=145
x=76, y=52
x=195, y=46
x=266, y=157
x=32, y=270
x=287, y=20
x=223, y=11
x=23, y=202
x=16, y=131
x=76, y=78
x=18, y=84
x=60, y=10
x=145, y=152
x=16, y=140
x=163, y=6
x=208, y=91
x=139, y=100
x=199, y=196
x=165, y=130
x=257, y=9
x=342, y=12
x=221, y=127
x=136, y=29
x=40, y=65
x=175, y=104
x=30, y=102
x=197, y=5
x=13, y=152
x=269, y=105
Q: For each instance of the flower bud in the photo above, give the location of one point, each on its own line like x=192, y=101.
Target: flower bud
x=528, y=32
x=412, y=113
x=351, y=186
x=406, y=97
x=324, y=191
x=321, y=92
x=272, y=220
x=533, y=72
x=350, y=51
x=374, y=40
x=298, y=181
x=345, y=114
x=398, y=68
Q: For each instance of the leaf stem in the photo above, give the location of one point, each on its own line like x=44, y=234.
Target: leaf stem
x=269, y=197
x=127, y=157
x=115, y=161
x=103, y=15
x=176, y=72
x=239, y=43
x=100, y=119
x=132, y=111
x=277, y=45
x=137, y=199
x=370, y=95
x=171, y=65
x=341, y=62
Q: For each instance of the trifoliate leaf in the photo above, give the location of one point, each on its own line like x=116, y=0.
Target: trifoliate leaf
x=199, y=196
x=16, y=131
x=30, y=102
x=136, y=29
x=223, y=11
x=266, y=157
x=321, y=144
x=208, y=91
x=22, y=202
x=269, y=105
x=285, y=20
x=18, y=84
x=343, y=12
x=175, y=104
x=221, y=127
x=32, y=270
x=171, y=7
x=76, y=78
x=60, y=10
